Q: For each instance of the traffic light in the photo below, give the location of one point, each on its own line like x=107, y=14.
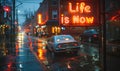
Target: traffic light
x=7, y=9
x=1, y=14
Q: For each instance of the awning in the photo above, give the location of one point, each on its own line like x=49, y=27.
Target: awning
x=52, y=23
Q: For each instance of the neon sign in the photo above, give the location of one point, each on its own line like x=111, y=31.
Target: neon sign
x=39, y=19
x=80, y=14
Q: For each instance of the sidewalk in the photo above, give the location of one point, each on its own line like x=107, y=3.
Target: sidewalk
x=8, y=63
x=7, y=56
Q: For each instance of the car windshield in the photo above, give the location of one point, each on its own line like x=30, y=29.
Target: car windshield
x=64, y=38
x=90, y=32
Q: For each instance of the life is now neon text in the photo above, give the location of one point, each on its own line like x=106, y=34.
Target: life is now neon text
x=78, y=14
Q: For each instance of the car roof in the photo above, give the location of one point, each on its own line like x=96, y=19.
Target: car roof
x=63, y=38
x=56, y=36
x=90, y=31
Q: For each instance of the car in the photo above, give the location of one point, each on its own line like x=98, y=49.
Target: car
x=91, y=36
x=62, y=43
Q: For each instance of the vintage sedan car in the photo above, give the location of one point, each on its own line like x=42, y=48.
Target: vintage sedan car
x=91, y=36
x=62, y=43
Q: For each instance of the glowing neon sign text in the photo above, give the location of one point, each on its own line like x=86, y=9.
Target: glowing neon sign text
x=78, y=14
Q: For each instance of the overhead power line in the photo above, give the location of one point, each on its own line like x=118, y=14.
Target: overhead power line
x=30, y=1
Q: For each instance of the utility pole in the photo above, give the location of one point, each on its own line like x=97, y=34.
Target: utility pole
x=13, y=29
x=103, y=22
x=13, y=24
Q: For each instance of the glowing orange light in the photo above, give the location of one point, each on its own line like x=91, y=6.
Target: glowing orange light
x=67, y=20
x=79, y=14
x=80, y=7
x=90, y=19
x=70, y=7
x=87, y=9
x=39, y=19
x=78, y=19
x=41, y=53
x=75, y=19
x=64, y=19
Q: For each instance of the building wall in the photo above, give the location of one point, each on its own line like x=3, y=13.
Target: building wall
x=47, y=8
x=113, y=25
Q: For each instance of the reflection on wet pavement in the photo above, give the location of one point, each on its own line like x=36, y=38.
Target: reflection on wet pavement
x=29, y=51
x=23, y=58
x=68, y=61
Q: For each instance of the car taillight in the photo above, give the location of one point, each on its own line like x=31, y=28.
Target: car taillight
x=75, y=44
x=59, y=46
x=94, y=35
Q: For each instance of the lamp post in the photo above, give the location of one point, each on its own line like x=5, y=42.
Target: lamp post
x=103, y=36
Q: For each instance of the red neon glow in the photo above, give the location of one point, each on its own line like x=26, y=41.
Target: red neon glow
x=80, y=7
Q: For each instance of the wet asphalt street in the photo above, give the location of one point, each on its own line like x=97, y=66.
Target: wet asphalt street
x=31, y=55
x=22, y=59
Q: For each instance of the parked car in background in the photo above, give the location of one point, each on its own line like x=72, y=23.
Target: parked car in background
x=91, y=36
x=62, y=43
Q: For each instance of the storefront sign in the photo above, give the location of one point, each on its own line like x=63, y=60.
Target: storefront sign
x=84, y=13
